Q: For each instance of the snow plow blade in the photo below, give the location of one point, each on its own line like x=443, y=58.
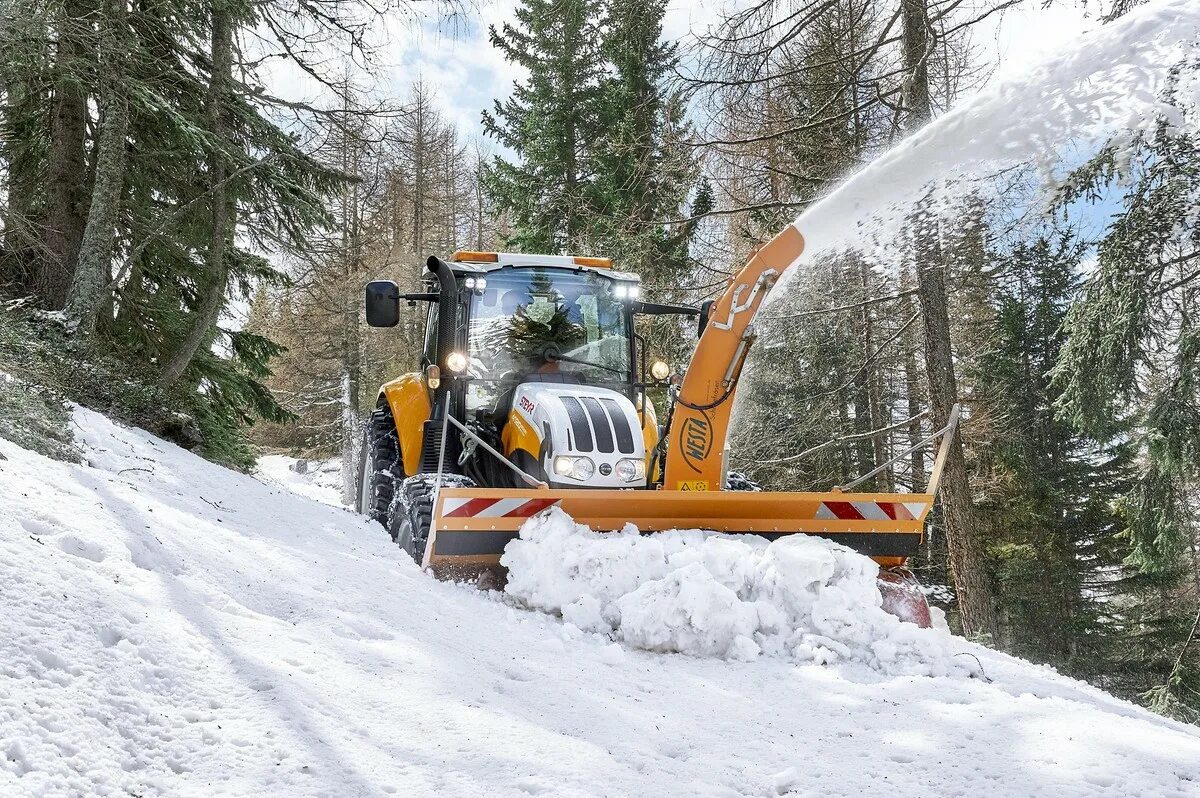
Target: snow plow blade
x=471, y=526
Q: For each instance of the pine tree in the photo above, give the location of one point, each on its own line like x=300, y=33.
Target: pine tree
x=552, y=121
x=1131, y=365
x=644, y=168
x=145, y=176
x=1051, y=527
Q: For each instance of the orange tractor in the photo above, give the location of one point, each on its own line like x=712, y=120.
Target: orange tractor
x=533, y=394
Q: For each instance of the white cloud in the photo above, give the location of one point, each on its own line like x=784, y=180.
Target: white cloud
x=453, y=57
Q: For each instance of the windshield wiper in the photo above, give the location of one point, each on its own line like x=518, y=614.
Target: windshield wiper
x=582, y=362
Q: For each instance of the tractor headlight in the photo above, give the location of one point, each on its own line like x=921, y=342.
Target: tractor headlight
x=456, y=362
x=659, y=370
x=580, y=468
x=631, y=469
x=627, y=290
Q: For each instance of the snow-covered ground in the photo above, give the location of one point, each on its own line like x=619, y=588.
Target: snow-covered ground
x=316, y=479
x=168, y=627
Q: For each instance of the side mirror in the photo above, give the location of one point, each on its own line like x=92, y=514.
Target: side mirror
x=383, y=303
x=702, y=322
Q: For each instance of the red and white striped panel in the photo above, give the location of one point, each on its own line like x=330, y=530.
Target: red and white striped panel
x=495, y=508
x=871, y=511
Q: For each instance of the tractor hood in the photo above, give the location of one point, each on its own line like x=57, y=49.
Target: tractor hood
x=577, y=423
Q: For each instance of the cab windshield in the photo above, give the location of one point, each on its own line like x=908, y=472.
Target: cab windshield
x=550, y=321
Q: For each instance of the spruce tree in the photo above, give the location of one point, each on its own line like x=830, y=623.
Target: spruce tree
x=1131, y=365
x=644, y=168
x=553, y=122
x=1051, y=526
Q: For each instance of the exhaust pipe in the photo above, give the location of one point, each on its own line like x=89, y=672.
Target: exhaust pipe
x=447, y=332
x=447, y=396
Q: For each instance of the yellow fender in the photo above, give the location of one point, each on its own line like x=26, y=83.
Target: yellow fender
x=408, y=399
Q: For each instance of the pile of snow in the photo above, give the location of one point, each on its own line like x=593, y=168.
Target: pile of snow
x=172, y=628
x=799, y=598
x=316, y=479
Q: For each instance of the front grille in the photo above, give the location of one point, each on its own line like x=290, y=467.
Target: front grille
x=604, y=436
x=607, y=418
x=579, y=423
x=620, y=424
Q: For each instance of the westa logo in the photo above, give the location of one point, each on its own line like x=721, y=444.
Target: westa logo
x=697, y=441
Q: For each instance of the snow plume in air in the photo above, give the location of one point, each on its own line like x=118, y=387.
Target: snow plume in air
x=1110, y=85
x=800, y=598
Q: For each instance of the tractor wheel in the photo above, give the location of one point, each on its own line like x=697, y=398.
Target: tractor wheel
x=412, y=510
x=378, y=466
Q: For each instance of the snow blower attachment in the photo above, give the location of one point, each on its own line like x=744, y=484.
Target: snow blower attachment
x=533, y=394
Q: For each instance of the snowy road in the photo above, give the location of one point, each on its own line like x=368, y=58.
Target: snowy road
x=168, y=627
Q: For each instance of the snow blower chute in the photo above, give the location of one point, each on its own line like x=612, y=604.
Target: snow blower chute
x=533, y=394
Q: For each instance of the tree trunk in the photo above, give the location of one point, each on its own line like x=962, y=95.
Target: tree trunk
x=351, y=343
x=856, y=269
x=886, y=481
x=351, y=388
x=66, y=168
x=420, y=153
x=912, y=388
x=20, y=182
x=216, y=259
x=972, y=581
x=917, y=47
x=479, y=207
x=90, y=285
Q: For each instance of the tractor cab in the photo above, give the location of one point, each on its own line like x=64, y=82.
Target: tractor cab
x=536, y=355
x=539, y=323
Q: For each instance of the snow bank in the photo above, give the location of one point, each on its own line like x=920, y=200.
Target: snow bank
x=799, y=598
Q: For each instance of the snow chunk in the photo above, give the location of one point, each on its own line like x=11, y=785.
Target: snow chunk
x=689, y=610
x=799, y=598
